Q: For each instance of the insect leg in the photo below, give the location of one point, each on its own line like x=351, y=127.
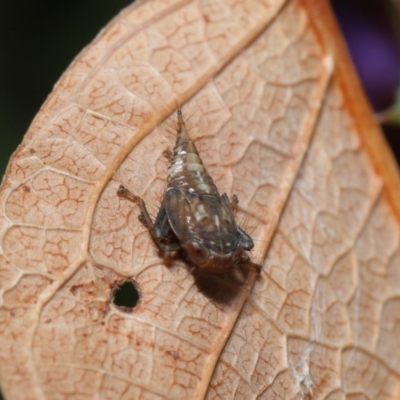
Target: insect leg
x=144, y=216
x=162, y=233
x=127, y=194
x=234, y=202
x=167, y=154
x=160, y=230
x=161, y=225
x=257, y=267
x=246, y=263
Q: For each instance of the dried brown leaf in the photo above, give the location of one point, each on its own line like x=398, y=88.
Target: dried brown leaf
x=279, y=120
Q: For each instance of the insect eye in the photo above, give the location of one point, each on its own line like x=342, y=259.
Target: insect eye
x=197, y=253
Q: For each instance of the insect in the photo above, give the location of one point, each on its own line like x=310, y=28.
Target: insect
x=193, y=216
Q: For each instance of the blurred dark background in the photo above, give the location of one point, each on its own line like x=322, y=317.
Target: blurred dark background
x=372, y=32
x=40, y=38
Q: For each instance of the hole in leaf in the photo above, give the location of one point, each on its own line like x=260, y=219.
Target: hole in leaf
x=126, y=295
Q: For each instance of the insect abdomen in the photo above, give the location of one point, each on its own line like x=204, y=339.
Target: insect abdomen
x=187, y=170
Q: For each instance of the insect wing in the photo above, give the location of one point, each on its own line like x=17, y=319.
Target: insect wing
x=179, y=213
x=192, y=215
x=244, y=238
x=226, y=205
